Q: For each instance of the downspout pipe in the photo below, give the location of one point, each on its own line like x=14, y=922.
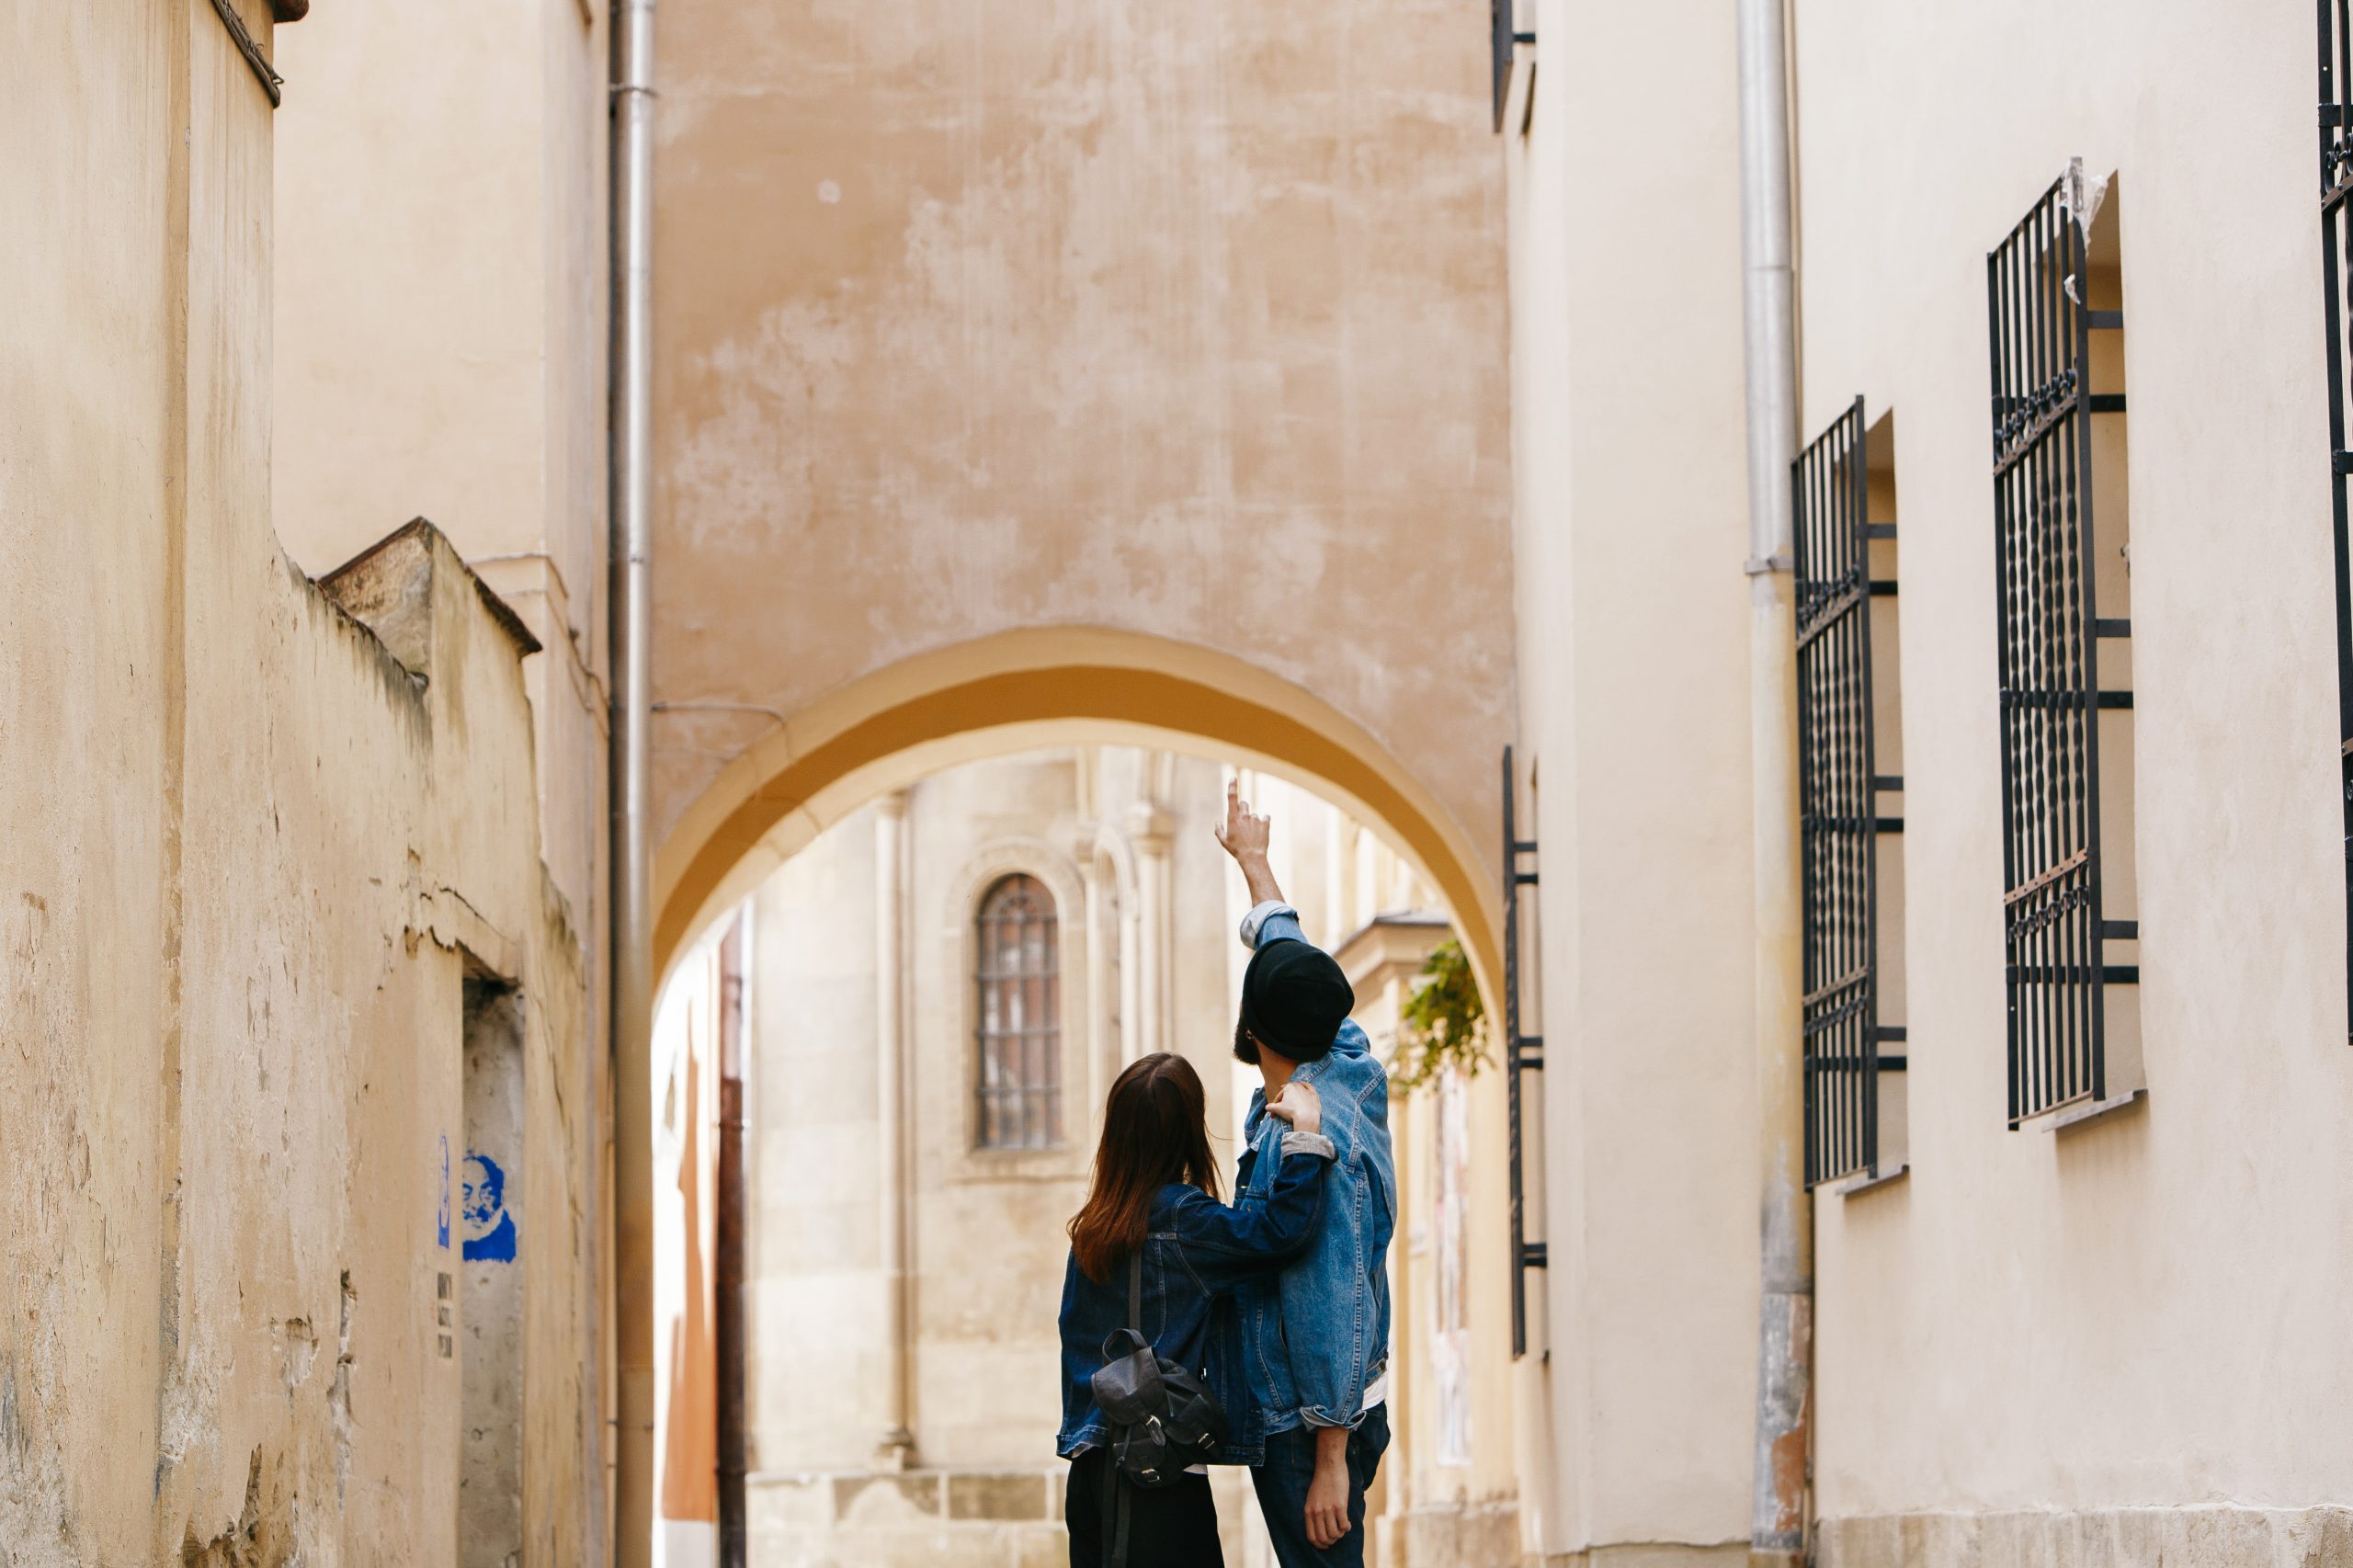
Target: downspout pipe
x=1785, y=1318
x=629, y=446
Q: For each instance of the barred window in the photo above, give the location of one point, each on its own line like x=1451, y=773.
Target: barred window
x=2063, y=581
x=1848, y=775
x=1019, y=1084
x=2336, y=255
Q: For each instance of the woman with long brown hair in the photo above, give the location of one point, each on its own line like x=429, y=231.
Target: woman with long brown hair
x=1154, y=1196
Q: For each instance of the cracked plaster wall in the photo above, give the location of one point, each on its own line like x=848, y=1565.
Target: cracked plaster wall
x=1185, y=320
x=244, y=855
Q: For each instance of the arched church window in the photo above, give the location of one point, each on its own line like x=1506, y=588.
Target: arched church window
x=1020, y=1017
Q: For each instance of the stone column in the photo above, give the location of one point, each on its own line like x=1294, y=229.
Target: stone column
x=1129, y=1045
x=1150, y=828
x=897, y=1447
x=1102, y=916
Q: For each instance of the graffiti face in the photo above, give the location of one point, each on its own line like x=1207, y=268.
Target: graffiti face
x=489, y=1227
x=482, y=1196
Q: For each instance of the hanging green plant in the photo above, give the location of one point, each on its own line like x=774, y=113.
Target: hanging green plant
x=1442, y=1025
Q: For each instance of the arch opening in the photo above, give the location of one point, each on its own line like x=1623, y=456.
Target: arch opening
x=1025, y=689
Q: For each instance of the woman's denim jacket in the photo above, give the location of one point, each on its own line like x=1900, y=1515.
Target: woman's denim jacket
x=1317, y=1334
x=1196, y=1250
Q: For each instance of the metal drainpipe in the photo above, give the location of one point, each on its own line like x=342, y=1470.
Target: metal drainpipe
x=1785, y=1323
x=630, y=452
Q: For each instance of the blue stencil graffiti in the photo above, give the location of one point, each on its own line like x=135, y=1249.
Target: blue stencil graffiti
x=490, y=1229
x=441, y=1220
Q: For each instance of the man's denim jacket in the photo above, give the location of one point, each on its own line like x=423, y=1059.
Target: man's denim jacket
x=1317, y=1335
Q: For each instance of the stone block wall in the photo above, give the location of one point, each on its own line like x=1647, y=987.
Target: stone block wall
x=918, y=1518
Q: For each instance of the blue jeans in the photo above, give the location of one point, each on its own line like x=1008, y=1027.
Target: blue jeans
x=1282, y=1484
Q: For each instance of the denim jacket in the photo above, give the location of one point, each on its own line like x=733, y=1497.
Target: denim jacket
x=1317, y=1335
x=1196, y=1250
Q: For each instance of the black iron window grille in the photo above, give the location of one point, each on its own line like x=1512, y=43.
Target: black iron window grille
x=2336, y=255
x=2050, y=560
x=1839, y=791
x=1021, y=1025
x=1500, y=39
x=1522, y=1053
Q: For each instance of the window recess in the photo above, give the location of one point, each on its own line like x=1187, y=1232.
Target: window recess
x=2063, y=627
x=1850, y=790
x=2336, y=255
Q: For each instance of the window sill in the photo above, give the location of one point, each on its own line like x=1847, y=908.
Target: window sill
x=2076, y=1115
x=1019, y=1165
x=1855, y=1185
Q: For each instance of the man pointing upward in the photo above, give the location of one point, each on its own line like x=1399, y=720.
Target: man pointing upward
x=1316, y=1335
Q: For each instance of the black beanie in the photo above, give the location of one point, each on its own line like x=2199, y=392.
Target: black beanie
x=1294, y=998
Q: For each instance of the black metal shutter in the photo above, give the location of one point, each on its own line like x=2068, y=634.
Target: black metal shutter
x=1838, y=790
x=2049, y=633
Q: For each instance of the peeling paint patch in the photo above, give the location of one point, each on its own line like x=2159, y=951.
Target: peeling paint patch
x=36, y=1521
x=262, y=1537
x=298, y=1347
x=339, y=1391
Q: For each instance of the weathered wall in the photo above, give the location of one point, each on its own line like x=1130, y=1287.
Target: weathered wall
x=441, y=334
x=439, y=350
x=2147, y=1310
x=1630, y=519
x=247, y=854
x=1185, y=321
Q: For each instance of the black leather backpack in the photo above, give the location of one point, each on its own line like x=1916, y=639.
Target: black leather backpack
x=1162, y=1417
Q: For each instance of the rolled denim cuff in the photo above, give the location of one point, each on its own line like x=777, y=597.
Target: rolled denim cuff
x=1314, y=1417
x=1259, y=915
x=1295, y=1143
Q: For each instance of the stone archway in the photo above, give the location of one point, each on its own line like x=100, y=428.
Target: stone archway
x=1028, y=688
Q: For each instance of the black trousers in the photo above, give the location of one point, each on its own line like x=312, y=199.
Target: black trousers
x=1168, y=1526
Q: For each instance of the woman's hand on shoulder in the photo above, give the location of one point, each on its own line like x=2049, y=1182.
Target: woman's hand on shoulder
x=1301, y=1105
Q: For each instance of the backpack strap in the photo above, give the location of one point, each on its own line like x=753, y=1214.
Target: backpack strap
x=1115, y=1516
x=1115, y=1494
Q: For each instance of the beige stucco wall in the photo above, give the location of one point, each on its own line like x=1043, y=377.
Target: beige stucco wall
x=2113, y=1344
x=438, y=348
x=440, y=333
x=248, y=857
x=1629, y=529
x=2148, y=1311
x=1187, y=323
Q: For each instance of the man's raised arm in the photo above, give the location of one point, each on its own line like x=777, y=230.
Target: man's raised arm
x=1246, y=835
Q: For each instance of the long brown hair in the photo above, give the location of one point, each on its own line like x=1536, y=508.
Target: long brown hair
x=1155, y=1131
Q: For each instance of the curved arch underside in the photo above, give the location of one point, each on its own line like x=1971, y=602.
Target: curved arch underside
x=1038, y=688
